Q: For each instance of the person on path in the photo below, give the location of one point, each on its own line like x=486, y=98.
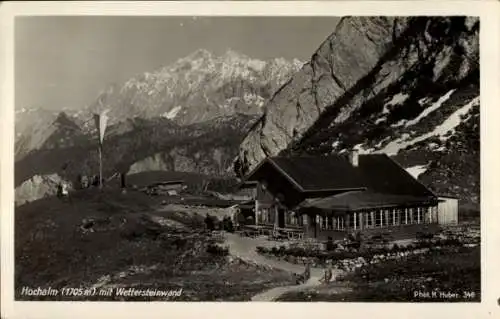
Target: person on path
x=307, y=272
x=63, y=191
x=328, y=273
x=85, y=182
x=123, y=183
x=209, y=223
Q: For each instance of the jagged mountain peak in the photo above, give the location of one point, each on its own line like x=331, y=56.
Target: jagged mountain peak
x=199, y=54
x=64, y=120
x=197, y=88
x=38, y=129
x=231, y=54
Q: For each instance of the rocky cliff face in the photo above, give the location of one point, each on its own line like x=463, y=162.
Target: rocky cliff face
x=37, y=187
x=345, y=57
x=408, y=87
x=207, y=148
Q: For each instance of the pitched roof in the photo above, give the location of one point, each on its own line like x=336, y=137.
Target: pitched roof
x=315, y=173
x=377, y=173
x=357, y=200
x=382, y=174
x=167, y=183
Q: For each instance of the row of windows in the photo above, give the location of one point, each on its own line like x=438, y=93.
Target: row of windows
x=331, y=223
x=294, y=219
x=380, y=218
x=358, y=220
x=267, y=216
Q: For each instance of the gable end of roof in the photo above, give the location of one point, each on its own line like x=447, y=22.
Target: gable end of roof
x=278, y=168
x=286, y=175
x=406, y=172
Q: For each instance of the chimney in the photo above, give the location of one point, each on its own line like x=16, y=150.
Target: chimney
x=354, y=157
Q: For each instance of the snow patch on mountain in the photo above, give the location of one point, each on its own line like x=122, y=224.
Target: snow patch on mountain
x=253, y=99
x=397, y=99
x=417, y=170
x=441, y=131
x=448, y=126
x=25, y=110
x=172, y=113
x=361, y=150
x=430, y=109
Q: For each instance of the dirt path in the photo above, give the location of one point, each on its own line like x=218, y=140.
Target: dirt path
x=245, y=248
x=274, y=293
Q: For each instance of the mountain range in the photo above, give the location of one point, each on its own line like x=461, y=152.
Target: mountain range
x=405, y=86
x=198, y=88
x=188, y=116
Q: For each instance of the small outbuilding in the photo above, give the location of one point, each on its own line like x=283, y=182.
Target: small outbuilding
x=171, y=188
x=447, y=210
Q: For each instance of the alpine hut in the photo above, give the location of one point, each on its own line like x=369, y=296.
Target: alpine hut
x=335, y=195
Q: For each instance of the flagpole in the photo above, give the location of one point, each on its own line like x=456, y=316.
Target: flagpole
x=100, y=122
x=100, y=165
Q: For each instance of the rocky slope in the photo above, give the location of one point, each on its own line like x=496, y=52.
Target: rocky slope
x=37, y=129
x=198, y=88
x=37, y=187
x=408, y=87
x=134, y=146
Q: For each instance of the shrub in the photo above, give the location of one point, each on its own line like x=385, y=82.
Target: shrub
x=217, y=250
x=227, y=224
x=297, y=251
x=395, y=248
x=424, y=236
x=450, y=242
x=411, y=246
x=330, y=245
x=209, y=222
x=281, y=251
x=424, y=244
x=262, y=250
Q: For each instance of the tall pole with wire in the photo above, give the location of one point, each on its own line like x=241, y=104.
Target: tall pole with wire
x=100, y=165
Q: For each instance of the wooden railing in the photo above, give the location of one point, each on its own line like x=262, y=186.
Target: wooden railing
x=290, y=233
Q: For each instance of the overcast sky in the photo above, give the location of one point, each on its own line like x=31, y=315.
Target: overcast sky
x=66, y=61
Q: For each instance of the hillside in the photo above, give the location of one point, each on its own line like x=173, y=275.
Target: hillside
x=411, y=92
x=134, y=146
x=87, y=243
x=207, y=147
